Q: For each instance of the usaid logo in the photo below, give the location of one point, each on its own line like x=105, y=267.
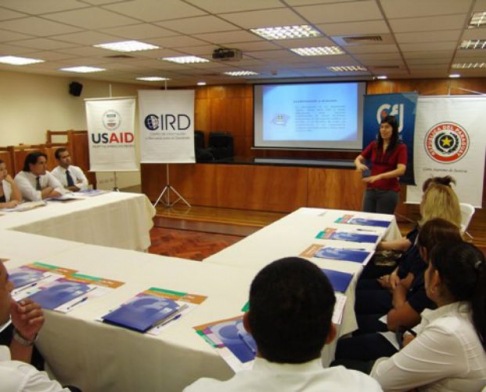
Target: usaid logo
x=167, y=122
x=396, y=110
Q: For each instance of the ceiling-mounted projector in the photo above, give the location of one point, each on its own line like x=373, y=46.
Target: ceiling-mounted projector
x=225, y=54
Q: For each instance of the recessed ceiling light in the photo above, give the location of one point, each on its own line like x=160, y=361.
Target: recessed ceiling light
x=478, y=20
x=318, y=51
x=468, y=65
x=473, y=44
x=454, y=76
x=382, y=77
x=287, y=32
x=240, y=73
x=82, y=69
x=347, y=68
x=186, y=59
x=152, y=79
x=201, y=83
x=14, y=60
x=127, y=46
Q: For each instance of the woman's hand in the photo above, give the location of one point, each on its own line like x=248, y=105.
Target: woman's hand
x=361, y=167
x=9, y=179
x=12, y=203
x=407, y=338
x=371, y=179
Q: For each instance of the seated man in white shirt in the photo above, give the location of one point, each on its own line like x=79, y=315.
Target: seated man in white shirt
x=35, y=182
x=291, y=307
x=16, y=374
x=71, y=177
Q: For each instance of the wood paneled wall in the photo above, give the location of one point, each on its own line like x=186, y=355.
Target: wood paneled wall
x=230, y=109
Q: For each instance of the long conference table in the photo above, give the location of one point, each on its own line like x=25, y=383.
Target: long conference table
x=80, y=350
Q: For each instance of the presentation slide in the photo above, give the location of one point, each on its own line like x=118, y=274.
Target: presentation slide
x=312, y=115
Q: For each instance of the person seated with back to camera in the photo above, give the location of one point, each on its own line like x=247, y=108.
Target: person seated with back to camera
x=35, y=182
x=10, y=195
x=448, y=353
x=71, y=177
x=403, y=307
x=16, y=374
x=291, y=307
x=438, y=201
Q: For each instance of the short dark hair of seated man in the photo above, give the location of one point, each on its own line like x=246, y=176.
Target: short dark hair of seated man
x=291, y=307
x=31, y=159
x=59, y=151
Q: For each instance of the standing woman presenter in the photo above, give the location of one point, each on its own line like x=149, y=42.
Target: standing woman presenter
x=388, y=157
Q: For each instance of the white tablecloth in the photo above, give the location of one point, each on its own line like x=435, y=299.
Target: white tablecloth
x=120, y=220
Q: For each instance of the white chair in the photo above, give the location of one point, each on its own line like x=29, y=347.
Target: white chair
x=467, y=212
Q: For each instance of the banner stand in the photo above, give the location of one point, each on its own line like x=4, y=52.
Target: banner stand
x=115, y=186
x=166, y=191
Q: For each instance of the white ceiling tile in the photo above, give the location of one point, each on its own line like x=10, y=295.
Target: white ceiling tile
x=222, y=6
x=474, y=34
x=155, y=10
x=174, y=42
x=341, y=12
x=87, y=38
x=334, y=60
x=428, y=54
x=433, y=60
x=470, y=53
x=354, y=28
x=412, y=8
x=6, y=14
x=158, y=53
x=37, y=26
x=272, y=54
x=479, y=5
x=140, y=31
x=265, y=18
x=375, y=62
x=386, y=48
x=6, y=50
x=103, y=2
x=230, y=36
x=441, y=67
x=11, y=36
x=378, y=56
x=50, y=56
x=198, y=50
x=429, y=46
x=91, y=18
x=43, y=43
x=88, y=51
x=253, y=46
x=433, y=36
x=437, y=23
x=310, y=2
x=197, y=25
x=42, y=7
x=305, y=42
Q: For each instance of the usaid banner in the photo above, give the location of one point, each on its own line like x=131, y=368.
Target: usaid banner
x=403, y=106
x=111, y=132
x=167, y=126
x=450, y=140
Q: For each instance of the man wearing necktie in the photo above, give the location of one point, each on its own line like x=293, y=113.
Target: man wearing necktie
x=71, y=177
x=35, y=182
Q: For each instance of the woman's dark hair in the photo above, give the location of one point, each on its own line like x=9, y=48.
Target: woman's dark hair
x=435, y=231
x=394, y=140
x=461, y=267
x=446, y=180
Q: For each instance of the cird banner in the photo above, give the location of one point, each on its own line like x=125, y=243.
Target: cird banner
x=166, y=126
x=111, y=132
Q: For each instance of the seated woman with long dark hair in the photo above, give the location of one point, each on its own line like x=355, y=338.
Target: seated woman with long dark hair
x=448, y=353
x=9, y=192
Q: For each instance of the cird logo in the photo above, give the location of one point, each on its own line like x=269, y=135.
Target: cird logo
x=446, y=142
x=111, y=120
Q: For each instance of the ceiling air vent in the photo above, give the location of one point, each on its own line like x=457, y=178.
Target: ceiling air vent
x=120, y=56
x=363, y=39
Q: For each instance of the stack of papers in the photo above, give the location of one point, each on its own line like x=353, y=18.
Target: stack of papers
x=91, y=192
x=152, y=310
x=325, y=252
x=27, y=206
x=364, y=220
x=235, y=345
x=357, y=235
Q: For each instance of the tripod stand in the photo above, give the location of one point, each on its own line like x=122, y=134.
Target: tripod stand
x=166, y=191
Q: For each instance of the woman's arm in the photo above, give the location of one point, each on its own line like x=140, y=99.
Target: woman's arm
x=15, y=195
x=433, y=355
x=358, y=162
x=399, y=171
x=402, y=314
x=401, y=244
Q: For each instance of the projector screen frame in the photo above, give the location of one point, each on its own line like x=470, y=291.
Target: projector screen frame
x=258, y=99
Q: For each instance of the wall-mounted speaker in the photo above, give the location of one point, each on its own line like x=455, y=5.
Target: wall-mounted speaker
x=75, y=89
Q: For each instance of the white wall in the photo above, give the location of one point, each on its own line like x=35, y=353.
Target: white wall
x=32, y=104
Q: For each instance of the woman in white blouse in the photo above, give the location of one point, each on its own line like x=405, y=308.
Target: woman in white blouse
x=448, y=353
x=9, y=192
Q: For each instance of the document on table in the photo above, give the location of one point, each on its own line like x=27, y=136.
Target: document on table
x=368, y=236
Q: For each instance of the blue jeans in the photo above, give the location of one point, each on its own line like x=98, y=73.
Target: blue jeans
x=380, y=201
